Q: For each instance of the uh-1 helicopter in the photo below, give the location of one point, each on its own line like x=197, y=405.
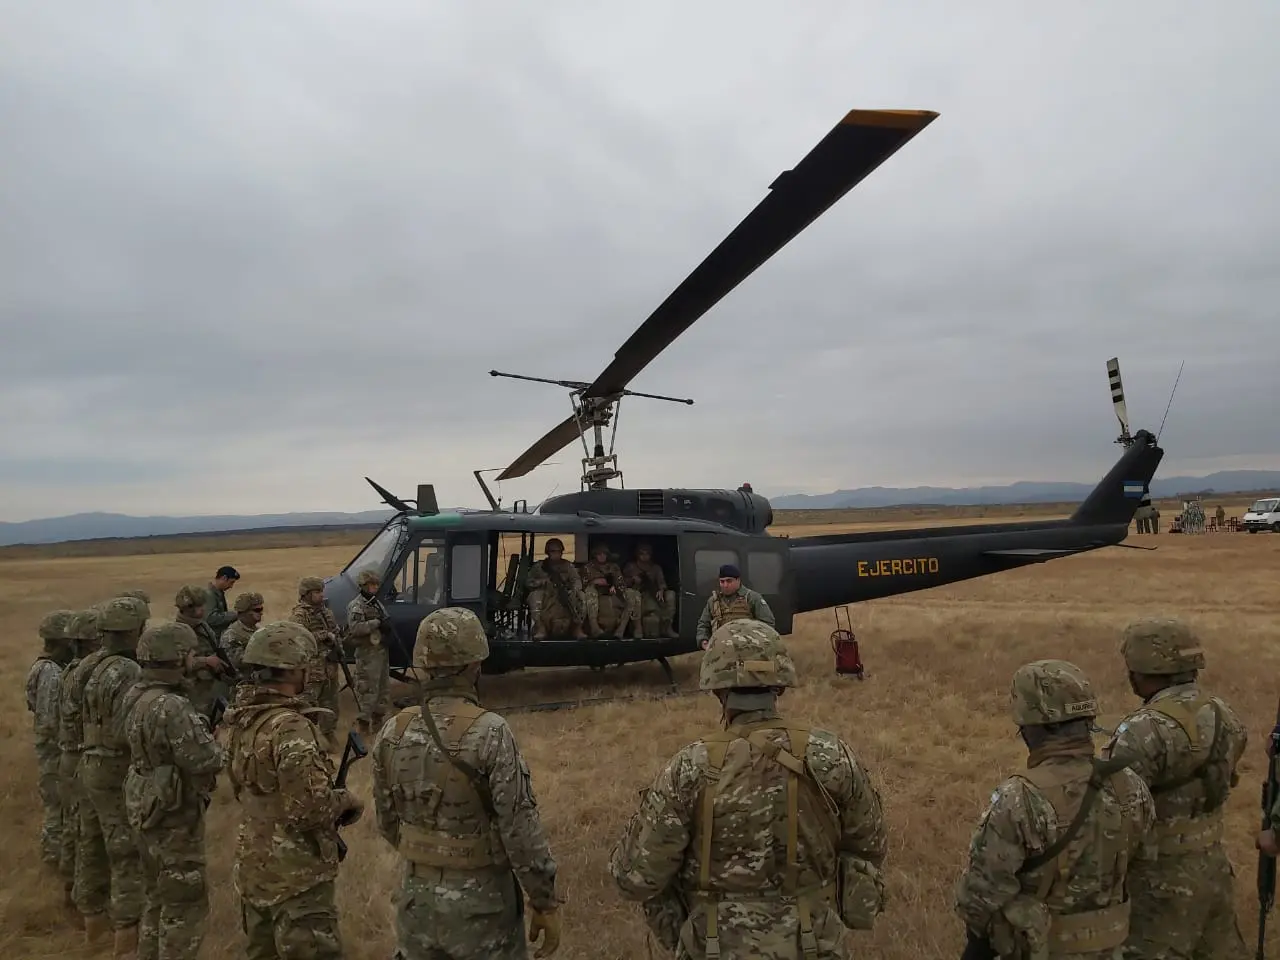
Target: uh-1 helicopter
x=427, y=559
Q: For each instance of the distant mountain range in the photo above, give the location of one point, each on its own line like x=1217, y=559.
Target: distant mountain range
x=94, y=526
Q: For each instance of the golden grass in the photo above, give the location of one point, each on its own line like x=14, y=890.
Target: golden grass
x=930, y=721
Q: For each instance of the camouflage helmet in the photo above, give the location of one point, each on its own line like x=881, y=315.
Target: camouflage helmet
x=189, y=596
x=1051, y=691
x=282, y=644
x=247, y=601
x=83, y=625
x=307, y=584
x=54, y=625
x=555, y=543
x=450, y=637
x=123, y=615
x=1161, y=646
x=166, y=643
x=366, y=577
x=136, y=594
x=746, y=653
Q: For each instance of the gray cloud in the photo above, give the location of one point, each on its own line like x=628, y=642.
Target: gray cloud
x=250, y=255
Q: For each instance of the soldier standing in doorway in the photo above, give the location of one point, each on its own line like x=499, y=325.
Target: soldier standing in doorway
x=731, y=601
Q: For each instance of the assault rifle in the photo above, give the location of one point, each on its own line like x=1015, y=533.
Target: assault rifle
x=353, y=751
x=1266, y=862
x=562, y=589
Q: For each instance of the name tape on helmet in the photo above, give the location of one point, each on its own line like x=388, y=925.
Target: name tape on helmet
x=1082, y=706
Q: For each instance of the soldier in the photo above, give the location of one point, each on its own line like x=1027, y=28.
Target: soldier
x=175, y=760
x=705, y=852
x=216, y=614
x=602, y=582
x=109, y=674
x=454, y=797
x=731, y=601
x=645, y=575
x=83, y=627
x=249, y=609
x=137, y=594
x=1047, y=863
x=555, y=592
x=287, y=854
x=42, y=702
x=311, y=613
x=1185, y=745
x=208, y=675
x=1220, y=517
x=1142, y=516
x=373, y=678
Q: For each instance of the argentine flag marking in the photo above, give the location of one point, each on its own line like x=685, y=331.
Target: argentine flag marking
x=1134, y=488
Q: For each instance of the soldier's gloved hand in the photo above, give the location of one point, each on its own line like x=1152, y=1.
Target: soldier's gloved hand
x=547, y=923
x=351, y=808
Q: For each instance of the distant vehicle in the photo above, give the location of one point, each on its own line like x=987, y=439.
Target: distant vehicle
x=1263, y=515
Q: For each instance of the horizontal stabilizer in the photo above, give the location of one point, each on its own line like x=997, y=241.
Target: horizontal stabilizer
x=1031, y=553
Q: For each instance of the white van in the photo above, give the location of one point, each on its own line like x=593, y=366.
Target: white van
x=1263, y=515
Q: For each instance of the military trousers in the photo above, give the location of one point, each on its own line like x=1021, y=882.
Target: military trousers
x=48, y=758
x=105, y=822
x=1184, y=908
x=459, y=915
x=373, y=681
x=176, y=895
x=625, y=609
x=664, y=611
x=303, y=927
x=69, y=794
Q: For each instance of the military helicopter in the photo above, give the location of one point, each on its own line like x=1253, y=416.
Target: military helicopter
x=428, y=559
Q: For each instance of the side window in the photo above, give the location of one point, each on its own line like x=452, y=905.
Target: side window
x=422, y=576
x=466, y=572
x=764, y=571
x=706, y=568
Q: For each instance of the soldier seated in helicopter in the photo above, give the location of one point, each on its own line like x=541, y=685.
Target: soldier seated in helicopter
x=555, y=597
x=657, y=601
x=611, y=605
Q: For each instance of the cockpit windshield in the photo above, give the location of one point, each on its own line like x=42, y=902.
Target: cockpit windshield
x=1265, y=506
x=377, y=555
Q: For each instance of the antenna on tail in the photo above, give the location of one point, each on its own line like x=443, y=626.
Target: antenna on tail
x=1170, y=403
x=1117, y=401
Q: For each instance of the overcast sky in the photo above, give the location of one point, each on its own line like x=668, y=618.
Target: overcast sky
x=253, y=252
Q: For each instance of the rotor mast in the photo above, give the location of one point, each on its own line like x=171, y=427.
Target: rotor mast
x=595, y=413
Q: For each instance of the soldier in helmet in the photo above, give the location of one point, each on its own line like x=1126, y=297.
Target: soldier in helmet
x=1047, y=862
x=137, y=594
x=42, y=703
x=555, y=592
x=702, y=853
x=603, y=583
x=287, y=855
x=209, y=674
x=109, y=674
x=175, y=762
x=731, y=601
x=454, y=797
x=317, y=619
x=644, y=574
x=1185, y=744
x=249, y=610
x=373, y=677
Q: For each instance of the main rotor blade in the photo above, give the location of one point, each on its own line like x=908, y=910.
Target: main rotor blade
x=855, y=147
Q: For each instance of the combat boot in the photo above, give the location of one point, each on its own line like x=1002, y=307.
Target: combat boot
x=96, y=926
x=126, y=945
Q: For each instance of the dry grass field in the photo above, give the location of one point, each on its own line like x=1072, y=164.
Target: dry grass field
x=930, y=721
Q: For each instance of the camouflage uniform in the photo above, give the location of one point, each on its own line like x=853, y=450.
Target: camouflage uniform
x=1048, y=861
x=109, y=674
x=287, y=855
x=625, y=601
x=373, y=677
x=174, y=762
x=137, y=594
x=743, y=604
x=545, y=603
x=762, y=840
x=43, y=682
x=1185, y=745
x=236, y=637
x=216, y=614
x=454, y=797
x=206, y=685
x=322, y=681
x=657, y=600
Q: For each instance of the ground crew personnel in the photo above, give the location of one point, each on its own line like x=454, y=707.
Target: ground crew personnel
x=109, y=674
x=645, y=575
x=42, y=703
x=317, y=619
x=602, y=581
x=744, y=838
x=216, y=614
x=454, y=797
x=174, y=763
x=287, y=855
x=1048, y=861
x=249, y=610
x=208, y=679
x=731, y=601
x=544, y=597
x=373, y=677
x=1185, y=745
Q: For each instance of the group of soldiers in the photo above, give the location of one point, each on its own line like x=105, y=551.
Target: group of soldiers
x=762, y=838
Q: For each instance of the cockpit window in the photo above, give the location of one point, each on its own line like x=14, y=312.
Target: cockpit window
x=377, y=555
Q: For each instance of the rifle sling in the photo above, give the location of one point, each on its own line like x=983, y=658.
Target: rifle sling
x=1102, y=770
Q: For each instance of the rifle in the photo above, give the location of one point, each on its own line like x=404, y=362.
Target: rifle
x=561, y=588
x=341, y=657
x=1266, y=862
x=353, y=751
x=215, y=717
